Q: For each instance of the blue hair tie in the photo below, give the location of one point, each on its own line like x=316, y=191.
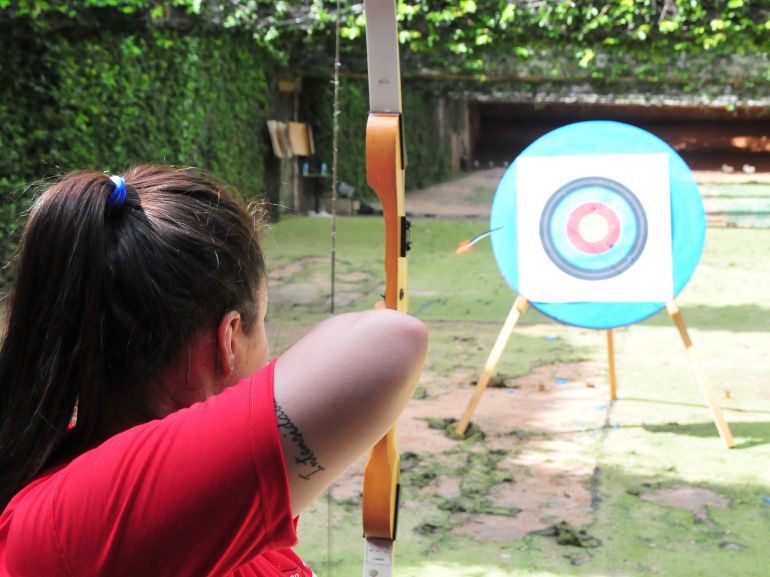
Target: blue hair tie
x=118, y=194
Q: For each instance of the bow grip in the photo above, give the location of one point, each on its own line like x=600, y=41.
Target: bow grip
x=385, y=175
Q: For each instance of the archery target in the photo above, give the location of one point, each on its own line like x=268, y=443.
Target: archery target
x=598, y=224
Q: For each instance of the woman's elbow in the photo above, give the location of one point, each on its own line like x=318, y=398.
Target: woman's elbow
x=415, y=335
x=405, y=336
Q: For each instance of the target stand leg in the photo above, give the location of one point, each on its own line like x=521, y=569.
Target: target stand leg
x=716, y=411
x=518, y=308
x=611, y=364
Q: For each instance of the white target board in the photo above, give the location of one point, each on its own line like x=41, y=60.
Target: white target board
x=594, y=228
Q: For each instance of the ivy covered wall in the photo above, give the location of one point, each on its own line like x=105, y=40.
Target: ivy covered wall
x=109, y=98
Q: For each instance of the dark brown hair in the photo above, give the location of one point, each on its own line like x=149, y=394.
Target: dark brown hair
x=106, y=298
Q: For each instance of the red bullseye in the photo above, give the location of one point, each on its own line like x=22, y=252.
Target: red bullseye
x=593, y=228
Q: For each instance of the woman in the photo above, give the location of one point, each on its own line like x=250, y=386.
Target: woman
x=142, y=429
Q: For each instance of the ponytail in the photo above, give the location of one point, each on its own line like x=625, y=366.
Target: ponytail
x=52, y=325
x=106, y=295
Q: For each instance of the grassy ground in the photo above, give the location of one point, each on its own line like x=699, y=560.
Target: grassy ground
x=666, y=497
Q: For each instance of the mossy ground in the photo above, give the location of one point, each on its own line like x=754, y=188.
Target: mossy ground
x=658, y=437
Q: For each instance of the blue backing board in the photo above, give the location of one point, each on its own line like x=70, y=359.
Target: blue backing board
x=688, y=221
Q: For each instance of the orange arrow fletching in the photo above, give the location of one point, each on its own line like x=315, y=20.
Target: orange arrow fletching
x=463, y=247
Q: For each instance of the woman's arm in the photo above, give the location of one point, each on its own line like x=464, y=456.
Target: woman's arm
x=339, y=389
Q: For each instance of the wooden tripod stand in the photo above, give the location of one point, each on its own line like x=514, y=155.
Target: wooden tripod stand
x=517, y=310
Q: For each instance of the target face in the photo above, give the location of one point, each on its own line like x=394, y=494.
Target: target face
x=581, y=226
x=600, y=224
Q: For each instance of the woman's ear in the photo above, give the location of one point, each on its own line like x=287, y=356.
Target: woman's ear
x=227, y=342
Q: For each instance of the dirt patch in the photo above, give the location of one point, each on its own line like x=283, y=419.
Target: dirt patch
x=543, y=428
x=284, y=291
x=549, y=494
x=344, y=299
x=296, y=293
x=467, y=197
x=552, y=399
x=347, y=487
x=354, y=276
x=497, y=529
x=282, y=273
x=693, y=499
x=446, y=487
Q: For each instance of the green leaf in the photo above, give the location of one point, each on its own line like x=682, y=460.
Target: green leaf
x=668, y=26
x=585, y=57
x=157, y=12
x=717, y=24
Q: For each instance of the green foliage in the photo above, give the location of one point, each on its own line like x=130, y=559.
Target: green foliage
x=478, y=30
x=599, y=41
x=428, y=158
x=24, y=102
x=697, y=47
x=106, y=101
x=277, y=27
x=353, y=107
x=179, y=99
x=116, y=96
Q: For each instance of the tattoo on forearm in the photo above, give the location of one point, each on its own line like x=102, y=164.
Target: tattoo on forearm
x=289, y=430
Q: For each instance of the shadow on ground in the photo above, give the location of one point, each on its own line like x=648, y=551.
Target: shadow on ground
x=752, y=434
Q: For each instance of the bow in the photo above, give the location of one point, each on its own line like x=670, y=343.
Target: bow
x=385, y=164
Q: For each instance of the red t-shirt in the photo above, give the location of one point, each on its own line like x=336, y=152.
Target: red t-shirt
x=202, y=492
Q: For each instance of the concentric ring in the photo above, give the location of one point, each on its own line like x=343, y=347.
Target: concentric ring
x=585, y=220
x=552, y=233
